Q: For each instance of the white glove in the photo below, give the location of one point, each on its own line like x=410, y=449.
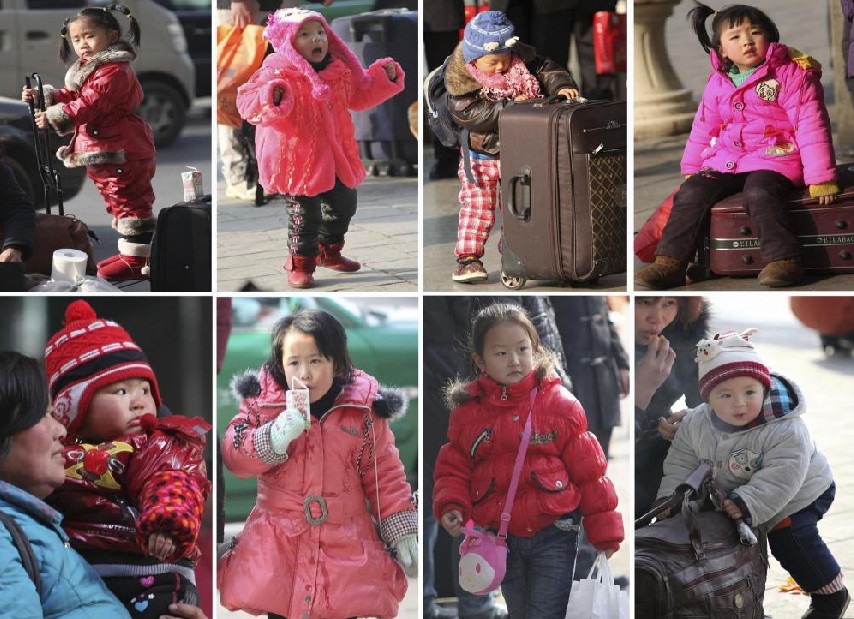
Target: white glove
x=285, y=428
x=407, y=554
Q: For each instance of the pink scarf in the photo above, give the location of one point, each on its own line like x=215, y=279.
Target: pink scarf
x=517, y=80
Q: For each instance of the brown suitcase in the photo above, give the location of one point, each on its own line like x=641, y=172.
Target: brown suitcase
x=825, y=233
x=563, y=188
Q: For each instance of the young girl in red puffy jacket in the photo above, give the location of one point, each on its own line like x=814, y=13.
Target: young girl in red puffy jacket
x=114, y=144
x=327, y=478
x=762, y=128
x=300, y=99
x=562, y=479
x=135, y=484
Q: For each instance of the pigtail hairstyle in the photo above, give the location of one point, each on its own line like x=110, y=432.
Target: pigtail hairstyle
x=730, y=17
x=101, y=18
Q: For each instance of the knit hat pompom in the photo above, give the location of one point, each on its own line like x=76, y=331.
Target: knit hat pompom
x=490, y=32
x=282, y=27
x=87, y=354
x=729, y=355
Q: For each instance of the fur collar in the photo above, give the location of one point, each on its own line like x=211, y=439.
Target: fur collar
x=79, y=72
x=390, y=403
x=458, y=392
x=459, y=81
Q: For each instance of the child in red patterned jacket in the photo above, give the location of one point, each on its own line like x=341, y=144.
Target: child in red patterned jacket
x=135, y=485
x=562, y=477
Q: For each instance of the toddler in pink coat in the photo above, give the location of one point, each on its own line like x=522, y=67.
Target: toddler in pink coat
x=114, y=144
x=761, y=128
x=300, y=99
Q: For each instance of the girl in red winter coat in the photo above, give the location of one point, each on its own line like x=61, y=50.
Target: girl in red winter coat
x=300, y=99
x=114, y=144
x=761, y=129
x=135, y=484
x=326, y=477
x=562, y=478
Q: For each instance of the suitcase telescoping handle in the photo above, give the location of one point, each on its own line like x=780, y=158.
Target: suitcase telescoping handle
x=41, y=138
x=523, y=179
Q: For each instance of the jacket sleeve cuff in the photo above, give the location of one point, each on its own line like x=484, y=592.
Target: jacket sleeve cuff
x=399, y=525
x=58, y=119
x=742, y=506
x=264, y=448
x=266, y=97
x=824, y=189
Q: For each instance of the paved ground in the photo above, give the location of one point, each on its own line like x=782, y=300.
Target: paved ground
x=656, y=161
x=794, y=351
x=383, y=236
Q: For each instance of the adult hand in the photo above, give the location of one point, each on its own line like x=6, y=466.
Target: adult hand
x=667, y=426
x=41, y=119
x=10, y=254
x=452, y=521
x=184, y=611
x=625, y=381
x=390, y=71
x=244, y=12
x=407, y=553
x=653, y=369
x=160, y=546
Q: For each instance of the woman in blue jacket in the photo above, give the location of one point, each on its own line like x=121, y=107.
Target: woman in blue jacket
x=31, y=467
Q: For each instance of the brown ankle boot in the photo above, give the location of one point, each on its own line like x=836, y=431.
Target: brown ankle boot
x=331, y=258
x=300, y=269
x=664, y=273
x=786, y=272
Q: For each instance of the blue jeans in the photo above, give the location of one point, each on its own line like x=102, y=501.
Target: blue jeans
x=539, y=574
x=800, y=549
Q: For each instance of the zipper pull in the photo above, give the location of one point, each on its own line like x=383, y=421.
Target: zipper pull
x=504, y=392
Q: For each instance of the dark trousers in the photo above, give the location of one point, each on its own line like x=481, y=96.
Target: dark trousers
x=539, y=574
x=149, y=597
x=764, y=200
x=800, y=549
x=324, y=218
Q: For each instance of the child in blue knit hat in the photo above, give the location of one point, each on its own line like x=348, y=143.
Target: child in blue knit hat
x=489, y=70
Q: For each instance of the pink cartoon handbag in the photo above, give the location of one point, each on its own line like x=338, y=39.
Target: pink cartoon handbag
x=483, y=554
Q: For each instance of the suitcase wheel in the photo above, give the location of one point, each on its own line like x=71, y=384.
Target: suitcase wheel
x=697, y=272
x=512, y=282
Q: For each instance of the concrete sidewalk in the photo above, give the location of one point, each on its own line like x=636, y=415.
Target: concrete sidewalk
x=656, y=160
x=383, y=236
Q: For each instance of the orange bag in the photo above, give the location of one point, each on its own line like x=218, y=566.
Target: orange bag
x=646, y=241
x=239, y=54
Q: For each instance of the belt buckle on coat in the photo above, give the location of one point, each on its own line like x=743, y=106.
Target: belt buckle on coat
x=306, y=506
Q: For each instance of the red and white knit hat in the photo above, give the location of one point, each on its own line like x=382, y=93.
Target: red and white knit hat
x=282, y=26
x=89, y=353
x=726, y=356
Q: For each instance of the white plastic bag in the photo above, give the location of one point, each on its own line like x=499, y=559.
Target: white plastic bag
x=87, y=283
x=599, y=597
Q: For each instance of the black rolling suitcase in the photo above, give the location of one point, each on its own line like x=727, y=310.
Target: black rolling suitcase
x=563, y=190
x=181, y=248
x=385, y=140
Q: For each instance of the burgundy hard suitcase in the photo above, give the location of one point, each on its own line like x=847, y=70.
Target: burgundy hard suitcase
x=563, y=190
x=825, y=233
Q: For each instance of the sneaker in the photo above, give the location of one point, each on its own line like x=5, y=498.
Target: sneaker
x=470, y=270
x=664, y=273
x=247, y=194
x=828, y=606
x=777, y=273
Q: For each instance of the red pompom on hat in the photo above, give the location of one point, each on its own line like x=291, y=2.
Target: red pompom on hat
x=726, y=356
x=89, y=353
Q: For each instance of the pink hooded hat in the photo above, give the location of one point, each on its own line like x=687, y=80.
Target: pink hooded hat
x=281, y=29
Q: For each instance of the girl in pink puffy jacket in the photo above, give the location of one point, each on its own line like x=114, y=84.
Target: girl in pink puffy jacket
x=329, y=481
x=562, y=478
x=114, y=144
x=300, y=99
x=762, y=128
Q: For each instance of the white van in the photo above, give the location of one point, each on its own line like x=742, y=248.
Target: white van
x=29, y=41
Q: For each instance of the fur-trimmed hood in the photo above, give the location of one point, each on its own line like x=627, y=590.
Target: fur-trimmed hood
x=458, y=392
x=120, y=51
x=387, y=402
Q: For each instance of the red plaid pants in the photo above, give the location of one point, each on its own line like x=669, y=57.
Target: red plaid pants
x=478, y=202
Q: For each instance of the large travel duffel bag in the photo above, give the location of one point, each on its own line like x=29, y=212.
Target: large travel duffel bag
x=563, y=188
x=385, y=141
x=695, y=563
x=181, y=248
x=825, y=232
